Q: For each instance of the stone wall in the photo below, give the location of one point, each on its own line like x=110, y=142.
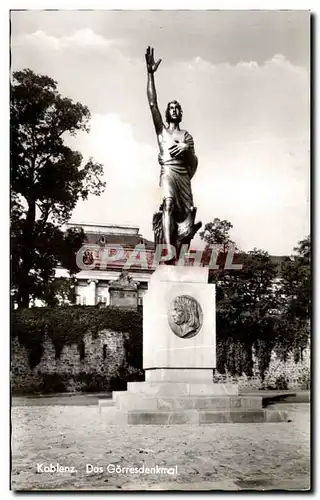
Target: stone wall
x=103, y=357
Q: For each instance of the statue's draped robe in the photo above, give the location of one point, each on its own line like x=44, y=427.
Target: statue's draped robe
x=175, y=177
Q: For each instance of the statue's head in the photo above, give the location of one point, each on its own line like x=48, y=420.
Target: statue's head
x=174, y=112
x=186, y=310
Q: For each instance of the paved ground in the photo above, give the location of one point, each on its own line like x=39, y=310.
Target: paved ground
x=64, y=399
x=221, y=456
x=89, y=399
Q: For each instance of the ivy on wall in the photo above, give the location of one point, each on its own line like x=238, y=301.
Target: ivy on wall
x=69, y=325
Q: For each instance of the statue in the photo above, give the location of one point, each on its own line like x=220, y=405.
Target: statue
x=124, y=281
x=174, y=223
x=124, y=292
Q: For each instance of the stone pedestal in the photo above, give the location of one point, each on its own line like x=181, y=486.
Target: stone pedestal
x=179, y=343
x=179, y=319
x=124, y=292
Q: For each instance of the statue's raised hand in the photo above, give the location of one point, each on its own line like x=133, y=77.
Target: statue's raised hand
x=152, y=66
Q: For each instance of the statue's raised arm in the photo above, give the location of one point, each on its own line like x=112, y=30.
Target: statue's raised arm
x=152, y=67
x=174, y=223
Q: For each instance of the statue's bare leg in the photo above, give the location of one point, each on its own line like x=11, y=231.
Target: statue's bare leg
x=167, y=220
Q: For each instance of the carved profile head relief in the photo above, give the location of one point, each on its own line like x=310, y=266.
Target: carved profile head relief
x=185, y=316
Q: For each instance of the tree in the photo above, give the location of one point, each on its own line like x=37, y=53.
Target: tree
x=47, y=180
x=247, y=313
x=60, y=292
x=247, y=304
x=296, y=281
x=295, y=293
x=217, y=233
x=259, y=308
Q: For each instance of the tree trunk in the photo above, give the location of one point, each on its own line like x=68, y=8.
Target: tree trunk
x=249, y=361
x=23, y=287
x=27, y=253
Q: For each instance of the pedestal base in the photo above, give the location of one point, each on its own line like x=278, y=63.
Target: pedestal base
x=202, y=417
x=191, y=403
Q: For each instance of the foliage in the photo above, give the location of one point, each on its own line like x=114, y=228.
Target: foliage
x=281, y=383
x=61, y=291
x=296, y=301
x=92, y=382
x=256, y=311
x=133, y=348
x=304, y=379
x=217, y=233
x=125, y=373
x=247, y=313
x=54, y=383
x=296, y=282
x=68, y=325
x=47, y=180
x=30, y=331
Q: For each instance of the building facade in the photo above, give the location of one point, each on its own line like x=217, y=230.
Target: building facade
x=95, y=278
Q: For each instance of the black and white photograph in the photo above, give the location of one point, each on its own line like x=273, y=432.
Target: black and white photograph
x=160, y=250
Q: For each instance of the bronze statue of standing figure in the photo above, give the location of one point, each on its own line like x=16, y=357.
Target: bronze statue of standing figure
x=174, y=223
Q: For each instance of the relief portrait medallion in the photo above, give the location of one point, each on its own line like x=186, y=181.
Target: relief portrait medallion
x=185, y=316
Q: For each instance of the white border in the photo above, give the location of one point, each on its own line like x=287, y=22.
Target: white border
x=4, y=185
x=162, y=4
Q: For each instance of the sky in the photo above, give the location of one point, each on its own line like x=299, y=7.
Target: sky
x=242, y=78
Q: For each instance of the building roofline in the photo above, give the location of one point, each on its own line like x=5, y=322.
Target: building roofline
x=94, y=228
x=129, y=226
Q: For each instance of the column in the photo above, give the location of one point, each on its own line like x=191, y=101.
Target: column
x=91, y=292
x=107, y=295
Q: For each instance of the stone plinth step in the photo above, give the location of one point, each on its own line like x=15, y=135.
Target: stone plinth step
x=176, y=389
x=111, y=415
x=127, y=401
x=204, y=417
x=106, y=402
x=203, y=375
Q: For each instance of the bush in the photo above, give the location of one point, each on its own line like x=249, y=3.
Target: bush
x=92, y=382
x=281, y=383
x=35, y=354
x=133, y=349
x=304, y=379
x=126, y=373
x=53, y=383
x=29, y=386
